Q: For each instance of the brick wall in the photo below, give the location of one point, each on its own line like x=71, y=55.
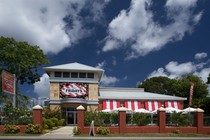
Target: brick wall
x=161, y=128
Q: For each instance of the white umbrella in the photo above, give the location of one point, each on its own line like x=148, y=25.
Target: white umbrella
x=123, y=109
x=172, y=109
x=106, y=110
x=142, y=110
x=189, y=109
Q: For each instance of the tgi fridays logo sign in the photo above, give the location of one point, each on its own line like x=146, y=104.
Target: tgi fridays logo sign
x=73, y=90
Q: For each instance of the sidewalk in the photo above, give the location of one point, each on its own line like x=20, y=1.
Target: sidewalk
x=61, y=133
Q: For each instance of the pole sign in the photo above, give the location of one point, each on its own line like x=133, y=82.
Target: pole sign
x=8, y=82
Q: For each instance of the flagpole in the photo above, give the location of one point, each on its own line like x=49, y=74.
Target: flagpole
x=191, y=94
x=14, y=96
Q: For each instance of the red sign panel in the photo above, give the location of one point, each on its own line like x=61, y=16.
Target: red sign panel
x=8, y=82
x=74, y=90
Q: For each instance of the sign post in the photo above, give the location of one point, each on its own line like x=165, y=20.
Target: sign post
x=8, y=84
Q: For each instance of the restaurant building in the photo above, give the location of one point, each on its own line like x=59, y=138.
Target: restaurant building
x=76, y=84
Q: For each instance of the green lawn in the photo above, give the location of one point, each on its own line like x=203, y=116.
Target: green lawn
x=147, y=135
x=18, y=134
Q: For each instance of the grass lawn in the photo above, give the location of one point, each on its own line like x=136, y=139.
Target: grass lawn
x=147, y=135
x=18, y=134
x=24, y=134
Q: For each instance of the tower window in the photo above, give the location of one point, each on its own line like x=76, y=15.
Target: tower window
x=66, y=74
x=74, y=75
x=57, y=74
x=82, y=75
x=90, y=75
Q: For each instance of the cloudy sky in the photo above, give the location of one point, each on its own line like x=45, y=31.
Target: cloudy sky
x=130, y=40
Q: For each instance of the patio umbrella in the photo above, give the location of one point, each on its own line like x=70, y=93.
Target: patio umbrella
x=189, y=109
x=124, y=109
x=106, y=110
x=172, y=109
x=142, y=110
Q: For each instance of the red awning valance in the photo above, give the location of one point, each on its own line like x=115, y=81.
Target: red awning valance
x=152, y=105
x=111, y=104
x=133, y=105
x=173, y=104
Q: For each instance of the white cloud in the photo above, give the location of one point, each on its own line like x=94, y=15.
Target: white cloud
x=42, y=22
x=106, y=80
x=204, y=73
x=175, y=70
x=201, y=55
x=110, y=45
x=158, y=72
x=101, y=65
x=136, y=27
x=180, y=69
x=42, y=88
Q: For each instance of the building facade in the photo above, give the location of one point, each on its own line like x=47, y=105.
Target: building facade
x=76, y=84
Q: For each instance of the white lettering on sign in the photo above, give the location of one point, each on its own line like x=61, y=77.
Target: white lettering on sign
x=73, y=90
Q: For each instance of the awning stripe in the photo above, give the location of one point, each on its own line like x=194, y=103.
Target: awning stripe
x=173, y=104
x=133, y=105
x=152, y=105
x=111, y=104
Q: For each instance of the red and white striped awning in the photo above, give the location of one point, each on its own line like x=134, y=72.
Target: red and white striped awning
x=133, y=105
x=152, y=105
x=111, y=104
x=173, y=104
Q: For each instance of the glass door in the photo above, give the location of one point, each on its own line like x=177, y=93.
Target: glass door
x=71, y=117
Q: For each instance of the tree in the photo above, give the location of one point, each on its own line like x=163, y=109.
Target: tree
x=200, y=90
x=21, y=59
x=161, y=85
x=178, y=87
x=208, y=79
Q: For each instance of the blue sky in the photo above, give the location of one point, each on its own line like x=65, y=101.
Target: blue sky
x=130, y=40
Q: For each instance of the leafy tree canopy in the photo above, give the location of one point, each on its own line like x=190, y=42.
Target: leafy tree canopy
x=178, y=87
x=161, y=85
x=21, y=59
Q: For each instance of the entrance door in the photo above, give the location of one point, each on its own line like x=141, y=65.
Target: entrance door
x=71, y=117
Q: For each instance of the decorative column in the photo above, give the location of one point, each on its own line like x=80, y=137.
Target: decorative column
x=37, y=115
x=80, y=118
x=198, y=120
x=162, y=119
x=122, y=119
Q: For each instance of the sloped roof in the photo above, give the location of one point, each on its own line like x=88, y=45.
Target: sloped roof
x=73, y=66
x=133, y=93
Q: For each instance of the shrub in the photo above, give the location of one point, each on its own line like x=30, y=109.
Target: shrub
x=141, y=119
x=103, y=130
x=49, y=123
x=61, y=122
x=45, y=126
x=33, y=129
x=16, y=115
x=77, y=130
x=52, y=113
x=181, y=119
x=114, y=118
x=55, y=121
x=177, y=131
x=11, y=128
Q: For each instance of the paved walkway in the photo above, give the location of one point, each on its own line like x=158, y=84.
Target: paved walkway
x=63, y=133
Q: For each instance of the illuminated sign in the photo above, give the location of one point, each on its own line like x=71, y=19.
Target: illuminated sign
x=74, y=90
x=8, y=82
